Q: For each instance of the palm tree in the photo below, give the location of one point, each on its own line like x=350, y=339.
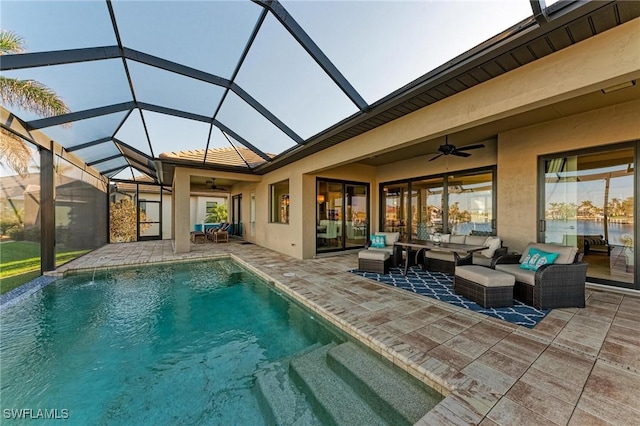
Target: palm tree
x=29, y=95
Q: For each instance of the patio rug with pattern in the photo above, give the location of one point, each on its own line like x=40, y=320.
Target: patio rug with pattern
x=439, y=285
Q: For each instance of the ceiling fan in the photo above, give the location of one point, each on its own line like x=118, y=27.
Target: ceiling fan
x=448, y=149
x=211, y=184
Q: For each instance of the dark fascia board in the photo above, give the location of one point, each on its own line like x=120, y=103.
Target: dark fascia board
x=514, y=37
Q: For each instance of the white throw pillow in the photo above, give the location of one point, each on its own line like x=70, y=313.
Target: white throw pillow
x=494, y=244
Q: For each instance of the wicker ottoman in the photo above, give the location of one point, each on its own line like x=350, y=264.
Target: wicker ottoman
x=374, y=261
x=485, y=286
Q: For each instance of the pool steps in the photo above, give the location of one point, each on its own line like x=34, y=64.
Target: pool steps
x=394, y=395
x=335, y=402
x=345, y=384
x=279, y=399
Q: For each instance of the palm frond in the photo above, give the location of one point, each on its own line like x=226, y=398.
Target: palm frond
x=31, y=96
x=10, y=42
x=14, y=152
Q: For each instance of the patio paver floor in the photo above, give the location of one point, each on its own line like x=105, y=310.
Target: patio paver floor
x=577, y=367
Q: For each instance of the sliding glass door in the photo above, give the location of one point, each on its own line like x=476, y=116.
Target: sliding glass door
x=589, y=202
x=342, y=215
x=461, y=204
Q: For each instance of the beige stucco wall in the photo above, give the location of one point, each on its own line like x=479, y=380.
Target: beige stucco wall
x=518, y=152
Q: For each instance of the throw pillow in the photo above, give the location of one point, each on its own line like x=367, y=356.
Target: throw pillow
x=494, y=244
x=378, y=241
x=536, y=258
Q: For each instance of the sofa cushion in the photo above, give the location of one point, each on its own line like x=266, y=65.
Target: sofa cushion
x=537, y=258
x=373, y=255
x=385, y=249
x=480, y=259
x=378, y=241
x=476, y=240
x=458, y=239
x=494, y=244
x=566, y=254
x=522, y=275
x=391, y=237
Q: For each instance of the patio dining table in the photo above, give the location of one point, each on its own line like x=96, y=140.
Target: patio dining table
x=421, y=246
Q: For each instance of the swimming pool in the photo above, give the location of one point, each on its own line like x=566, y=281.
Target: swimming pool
x=177, y=343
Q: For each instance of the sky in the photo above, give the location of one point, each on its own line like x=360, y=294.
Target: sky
x=379, y=46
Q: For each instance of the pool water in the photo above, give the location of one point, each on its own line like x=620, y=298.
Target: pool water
x=171, y=344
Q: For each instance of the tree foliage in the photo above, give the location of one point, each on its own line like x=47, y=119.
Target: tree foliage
x=26, y=94
x=217, y=214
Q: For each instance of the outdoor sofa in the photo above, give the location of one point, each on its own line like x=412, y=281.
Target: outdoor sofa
x=444, y=261
x=557, y=284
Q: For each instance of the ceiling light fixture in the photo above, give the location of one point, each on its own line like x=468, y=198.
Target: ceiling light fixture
x=619, y=86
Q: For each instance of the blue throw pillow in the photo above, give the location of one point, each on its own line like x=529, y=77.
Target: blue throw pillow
x=378, y=241
x=536, y=258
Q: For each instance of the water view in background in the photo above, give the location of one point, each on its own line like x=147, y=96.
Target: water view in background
x=557, y=229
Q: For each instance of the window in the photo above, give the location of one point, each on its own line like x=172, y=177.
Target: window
x=210, y=207
x=279, y=202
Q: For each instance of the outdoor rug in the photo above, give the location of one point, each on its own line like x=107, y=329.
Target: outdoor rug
x=439, y=285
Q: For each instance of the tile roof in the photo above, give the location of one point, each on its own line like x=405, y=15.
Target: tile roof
x=235, y=157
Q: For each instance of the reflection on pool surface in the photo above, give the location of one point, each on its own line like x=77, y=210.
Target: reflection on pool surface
x=155, y=345
x=190, y=343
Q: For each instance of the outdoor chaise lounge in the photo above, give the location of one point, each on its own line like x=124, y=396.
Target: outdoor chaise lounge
x=558, y=281
x=220, y=233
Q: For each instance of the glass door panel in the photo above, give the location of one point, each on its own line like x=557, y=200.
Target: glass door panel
x=589, y=203
x=330, y=216
x=149, y=220
x=470, y=204
x=396, y=208
x=427, y=199
x=342, y=215
x=356, y=218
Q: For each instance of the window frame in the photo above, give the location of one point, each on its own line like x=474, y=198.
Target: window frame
x=279, y=202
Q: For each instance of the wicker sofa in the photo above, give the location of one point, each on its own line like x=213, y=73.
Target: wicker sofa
x=560, y=284
x=444, y=261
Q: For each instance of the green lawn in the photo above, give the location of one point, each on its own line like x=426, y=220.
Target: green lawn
x=20, y=262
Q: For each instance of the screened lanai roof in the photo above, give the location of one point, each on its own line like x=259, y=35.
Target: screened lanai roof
x=250, y=85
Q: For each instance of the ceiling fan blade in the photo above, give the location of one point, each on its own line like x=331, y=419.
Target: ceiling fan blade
x=437, y=156
x=460, y=154
x=468, y=147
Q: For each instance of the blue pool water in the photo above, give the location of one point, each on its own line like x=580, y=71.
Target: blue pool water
x=173, y=344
